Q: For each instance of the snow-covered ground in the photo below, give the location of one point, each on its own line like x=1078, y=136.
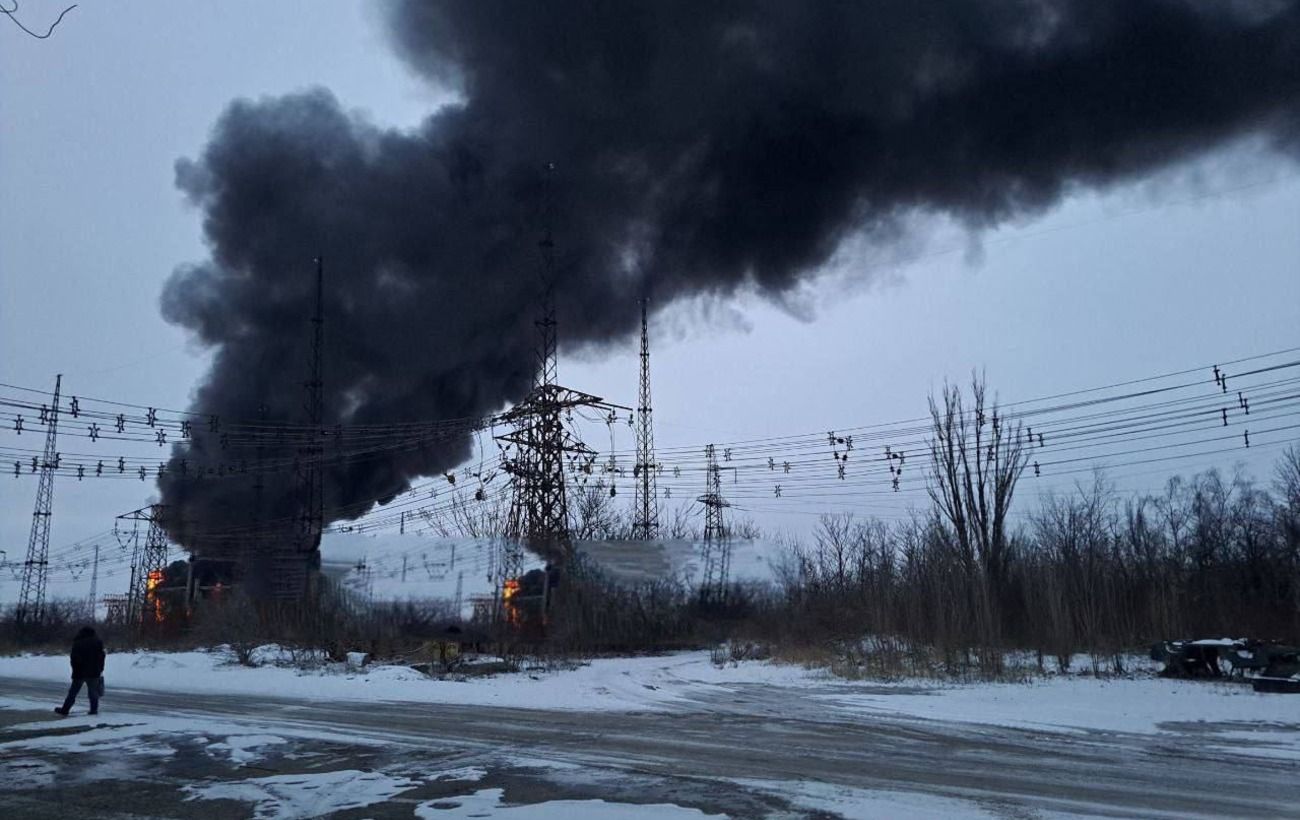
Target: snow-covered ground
x=649, y=738
x=1072, y=703
x=1076, y=703
x=296, y=796
x=139, y=738
x=618, y=684
x=303, y=795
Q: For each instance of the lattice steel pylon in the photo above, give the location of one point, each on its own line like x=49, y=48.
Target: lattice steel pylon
x=290, y=557
x=252, y=543
x=92, y=599
x=539, y=510
x=36, y=569
x=143, y=605
x=717, y=546
x=646, y=501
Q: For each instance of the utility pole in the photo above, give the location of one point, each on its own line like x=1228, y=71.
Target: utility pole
x=94, y=587
x=36, y=569
x=646, y=505
x=717, y=547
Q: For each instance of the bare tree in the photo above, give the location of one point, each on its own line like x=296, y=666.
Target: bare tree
x=976, y=458
x=1287, y=483
x=470, y=517
x=1081, y=605
x=595, y=515
x=682, y=524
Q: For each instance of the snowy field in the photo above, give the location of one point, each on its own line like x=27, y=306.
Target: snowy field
x=646, y=738
x=616, y=684
x=1072, y=703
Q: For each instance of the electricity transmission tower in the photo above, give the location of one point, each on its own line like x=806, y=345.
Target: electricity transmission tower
x=249, y=546
x=36, y=569
x=290, y=557
x=147, y=566
x=646, y=503
x=539, y=510
x=717, y=546
x=93, y=599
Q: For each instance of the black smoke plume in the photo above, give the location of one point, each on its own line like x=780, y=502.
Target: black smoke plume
x=701, y=149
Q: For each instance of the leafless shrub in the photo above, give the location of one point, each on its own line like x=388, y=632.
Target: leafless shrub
x=230, y=619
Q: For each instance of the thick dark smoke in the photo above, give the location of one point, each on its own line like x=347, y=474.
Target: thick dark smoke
x=701, y=148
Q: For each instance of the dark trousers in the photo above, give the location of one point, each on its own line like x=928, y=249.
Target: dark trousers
x=94, y=688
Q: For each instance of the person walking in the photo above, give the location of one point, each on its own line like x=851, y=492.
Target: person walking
x=87, y=668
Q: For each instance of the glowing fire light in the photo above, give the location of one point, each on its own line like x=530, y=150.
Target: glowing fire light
x=151, y=583
x=510, y=589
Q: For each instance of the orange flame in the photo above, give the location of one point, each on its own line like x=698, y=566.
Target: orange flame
x=509, y=590
x=151, y=583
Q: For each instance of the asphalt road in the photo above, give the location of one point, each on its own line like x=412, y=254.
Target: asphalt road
x=696, y=755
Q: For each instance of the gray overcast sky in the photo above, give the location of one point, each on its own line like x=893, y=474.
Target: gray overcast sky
x=1201, y=265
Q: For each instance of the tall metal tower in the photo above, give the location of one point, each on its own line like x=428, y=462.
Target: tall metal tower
x=646, y=502
x=289, y=561
x=717, y=546
x=142, y=602
x=547, y=372
x=250, y=546
x=92, y=600
x=36, y=570
x=539, y=511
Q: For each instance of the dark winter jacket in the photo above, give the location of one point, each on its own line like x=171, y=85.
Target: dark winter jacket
x=87, y=655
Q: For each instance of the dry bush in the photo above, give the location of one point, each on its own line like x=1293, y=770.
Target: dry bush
x=231, y=619
x=53, y=634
